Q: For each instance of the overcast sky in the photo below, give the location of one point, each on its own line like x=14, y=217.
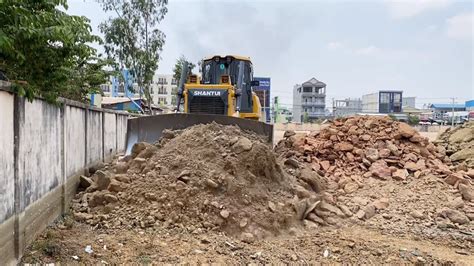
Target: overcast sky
x=423, y=47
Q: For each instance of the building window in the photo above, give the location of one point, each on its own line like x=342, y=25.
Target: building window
x=173, y=81
x=307, y=89
x=162, y=81
x=162, y=90
x=162, y=100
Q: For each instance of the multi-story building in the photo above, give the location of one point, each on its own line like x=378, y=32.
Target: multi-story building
x=309, y=100
x=385, y=102
x=347, y=107
x=164, y=89
x=409, y=102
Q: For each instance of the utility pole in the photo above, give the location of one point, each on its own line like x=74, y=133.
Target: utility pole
x=452, y=118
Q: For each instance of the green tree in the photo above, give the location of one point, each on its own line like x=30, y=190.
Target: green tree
x=42, y=47
x=179, y=65
x=132, y=38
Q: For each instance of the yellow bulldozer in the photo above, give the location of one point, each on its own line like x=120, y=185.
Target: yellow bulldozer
x=222, y=94
x=225, y=88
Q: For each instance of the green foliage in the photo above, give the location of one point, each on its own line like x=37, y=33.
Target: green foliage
x=132, y=38
x=413, y=120
x=179, y=65
x=42, y=47
x=394, y=118
x=305, y=117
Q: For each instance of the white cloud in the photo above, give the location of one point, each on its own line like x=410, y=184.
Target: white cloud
x=334, y=45
x=369, y=50
x=431, y=28
x=400, y=9
x=460, y=26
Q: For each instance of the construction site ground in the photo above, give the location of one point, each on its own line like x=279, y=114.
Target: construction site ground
x=215, y=194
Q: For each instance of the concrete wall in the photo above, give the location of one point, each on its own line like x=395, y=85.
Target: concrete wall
x=6, y=155
x=44, y=149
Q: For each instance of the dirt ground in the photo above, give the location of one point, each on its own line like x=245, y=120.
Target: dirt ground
x=347, y=244
x=186, y=200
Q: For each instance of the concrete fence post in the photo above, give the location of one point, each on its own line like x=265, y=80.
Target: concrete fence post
x=17, y=106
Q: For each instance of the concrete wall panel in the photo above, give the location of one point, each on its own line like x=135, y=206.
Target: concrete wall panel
x=121, y=132
x=110, y=135
x=39, y=151
x=39, y=176
x=75, y=143
x=94, y=136
x=7, y=197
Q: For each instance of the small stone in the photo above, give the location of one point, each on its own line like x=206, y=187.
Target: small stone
x=381, y=203
x=400, y=174
x=243, y=144
x=102, y=179
x=411, y=166
x=243, y=223
x=110, y=198
x=294, y=257
x=360, y=214
x=455, y=216
x=405, y=130
x=292, y=162
x=80, y=216
x=247, y=238
x=225, y=214
x=386, y=216
x=116, y=186
x=467, y=192
x=455, y=178
x=372, y=154
x=85, y=182
x=210, y=183
x=121, y=168
x=272, y=206
x=150, y=196
x=289, y=133
x=417, y=214
x=351, y=187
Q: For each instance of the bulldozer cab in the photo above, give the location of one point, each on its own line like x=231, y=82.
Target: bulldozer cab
x=240, y=71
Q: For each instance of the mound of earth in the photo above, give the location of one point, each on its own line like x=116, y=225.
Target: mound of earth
x=382, y=173
x=459, y=144
x=202, y=178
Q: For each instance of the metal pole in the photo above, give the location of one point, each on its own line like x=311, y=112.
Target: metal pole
x=452, y=118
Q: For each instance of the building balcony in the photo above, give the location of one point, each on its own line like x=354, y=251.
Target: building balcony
x=313, y=94
x=315, y=104
x=316, y=114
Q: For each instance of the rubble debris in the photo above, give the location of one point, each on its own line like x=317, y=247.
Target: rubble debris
x=458, y=144
x=184, y=181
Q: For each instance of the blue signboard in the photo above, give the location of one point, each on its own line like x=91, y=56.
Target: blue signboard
x=263, y=93
x=264, y=83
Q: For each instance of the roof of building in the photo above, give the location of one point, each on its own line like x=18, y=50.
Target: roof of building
x=314, y=82
x=470, y=103
x=409, y=109
x=447, y=105
x=116, y=100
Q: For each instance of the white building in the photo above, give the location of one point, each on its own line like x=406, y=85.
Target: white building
x=309, y=99
x=164, y=89
x=385, y=102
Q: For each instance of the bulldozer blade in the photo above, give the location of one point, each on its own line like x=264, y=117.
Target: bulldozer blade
x=150, y=128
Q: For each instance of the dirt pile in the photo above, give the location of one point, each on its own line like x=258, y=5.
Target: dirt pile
x=458, y=143
x=205, y=177
x=385, y=171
